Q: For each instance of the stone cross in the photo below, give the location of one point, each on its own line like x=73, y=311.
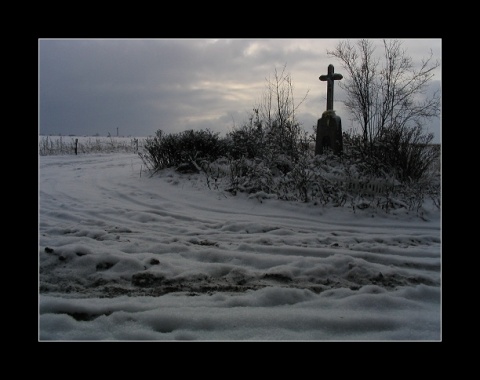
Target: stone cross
x=330, y=77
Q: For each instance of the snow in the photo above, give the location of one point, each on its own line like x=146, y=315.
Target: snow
x=128, y=256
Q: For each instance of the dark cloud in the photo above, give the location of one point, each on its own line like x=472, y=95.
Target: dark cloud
x=139, y=86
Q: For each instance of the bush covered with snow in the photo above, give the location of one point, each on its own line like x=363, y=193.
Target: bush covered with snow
x=188, y=147
x=250, y=160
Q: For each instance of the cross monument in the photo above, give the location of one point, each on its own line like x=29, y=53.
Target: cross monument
x=330, y=78
x=329, y=127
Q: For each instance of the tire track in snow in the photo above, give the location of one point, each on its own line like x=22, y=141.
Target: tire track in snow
x=207, y=243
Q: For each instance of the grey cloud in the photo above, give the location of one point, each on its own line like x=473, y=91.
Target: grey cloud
x=95, y=86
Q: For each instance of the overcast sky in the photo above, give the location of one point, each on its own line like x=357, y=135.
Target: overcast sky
x=94, y=86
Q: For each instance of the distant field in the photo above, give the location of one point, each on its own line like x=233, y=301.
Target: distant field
x=58, y=145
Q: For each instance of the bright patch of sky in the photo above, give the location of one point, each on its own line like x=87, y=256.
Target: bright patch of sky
x=95, y=86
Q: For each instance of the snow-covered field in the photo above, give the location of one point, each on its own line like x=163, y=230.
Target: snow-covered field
x=125, y=256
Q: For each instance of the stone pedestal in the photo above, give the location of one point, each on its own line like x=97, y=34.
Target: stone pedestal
x=329, y=133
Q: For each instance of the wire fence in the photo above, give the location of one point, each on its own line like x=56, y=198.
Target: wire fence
x=63, y=145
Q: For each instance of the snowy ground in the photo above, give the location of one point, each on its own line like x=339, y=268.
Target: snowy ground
x=123, y=256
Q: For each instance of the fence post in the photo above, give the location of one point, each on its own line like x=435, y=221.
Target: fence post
x=76, y=143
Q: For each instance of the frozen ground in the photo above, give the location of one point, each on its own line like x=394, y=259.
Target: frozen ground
x=123, y=256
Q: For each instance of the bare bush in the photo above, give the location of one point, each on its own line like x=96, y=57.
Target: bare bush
x=388, y=101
